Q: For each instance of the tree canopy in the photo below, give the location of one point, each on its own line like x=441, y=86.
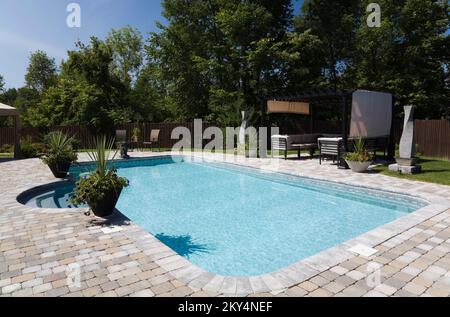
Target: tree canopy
x=87, y=92
x=214, y=58
x=41, y=72
x=2, y=84
x=127, y=47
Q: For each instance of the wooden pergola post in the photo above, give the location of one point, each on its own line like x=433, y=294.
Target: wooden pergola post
x=17, y=149
x=7, y=111
x=342, y=162
x=391, y=146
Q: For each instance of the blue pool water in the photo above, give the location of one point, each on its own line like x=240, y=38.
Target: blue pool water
x=52, y=196
x=238, y=221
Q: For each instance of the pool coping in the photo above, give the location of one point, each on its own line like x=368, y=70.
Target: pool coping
x=277, y=281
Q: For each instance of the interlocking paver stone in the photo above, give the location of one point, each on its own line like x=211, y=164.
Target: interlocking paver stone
x=339, y=270
x=37, y=246
x=162, y=288
x=386, y=289
x=414, y=288
x=356, y=275
x=320, y=292
x=308, y=286
x=144, y=293
x=10, y=288
x=42, y=288
x=354, y=291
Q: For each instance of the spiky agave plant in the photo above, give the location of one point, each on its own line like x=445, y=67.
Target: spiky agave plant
x=59, y=148
x=104, y=146
x=360, y=154
x=101, y=189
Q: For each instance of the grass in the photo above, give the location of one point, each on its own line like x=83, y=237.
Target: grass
x=6, y=155
x=433, y=171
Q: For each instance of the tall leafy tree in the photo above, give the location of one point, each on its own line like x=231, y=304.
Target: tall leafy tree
x=174, y=51
x=214, y=58
x=255, y=58
x=2, y=97
x=87, y=92
x=41, y=72
x=2, y=84
x=219, y=56
x=334, y=23
x=407, y=55
x=127, y=48
x=22, y=99
x=148, y=97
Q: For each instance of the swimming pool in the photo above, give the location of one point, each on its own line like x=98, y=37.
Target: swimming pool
x=238, y=221
x=56, y=195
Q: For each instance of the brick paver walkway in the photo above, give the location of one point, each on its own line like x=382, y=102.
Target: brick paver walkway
x=41, y=250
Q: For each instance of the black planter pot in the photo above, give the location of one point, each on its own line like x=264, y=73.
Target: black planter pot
x=60, y=169
x=106, y=206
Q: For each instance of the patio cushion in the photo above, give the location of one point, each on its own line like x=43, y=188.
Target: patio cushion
x=304, y=146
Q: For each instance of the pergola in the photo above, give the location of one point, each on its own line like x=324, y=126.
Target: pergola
x=7, y=111
x=305, y=102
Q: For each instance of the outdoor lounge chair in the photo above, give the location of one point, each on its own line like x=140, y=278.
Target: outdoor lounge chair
x=334, y=146
x=330, y=146
x=154, y=139
x=297, y=143
x=122, y=143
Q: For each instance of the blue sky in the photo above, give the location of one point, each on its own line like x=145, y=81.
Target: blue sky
x=30, y=25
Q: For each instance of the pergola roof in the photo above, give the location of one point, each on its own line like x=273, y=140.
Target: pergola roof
x=8, y=110
x=326, y=95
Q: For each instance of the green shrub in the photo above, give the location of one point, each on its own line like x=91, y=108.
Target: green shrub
x=7, y=148
x=30, y=149
x=58, y=148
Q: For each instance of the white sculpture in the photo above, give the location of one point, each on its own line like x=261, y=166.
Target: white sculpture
x=243, y=129
x=407, y=144
x=406, y=162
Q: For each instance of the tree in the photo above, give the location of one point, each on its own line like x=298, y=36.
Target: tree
x=127, y=48
x=86, y=93
x=41, y=72
x=21, y=99
x=2, y=84
x=215, y=58
x=3, y=121
x=24, y=99
x=208, y=62
x=257, y=64
x=407, y=55
x=334, y=24
x=8, y=96
x=148, y=99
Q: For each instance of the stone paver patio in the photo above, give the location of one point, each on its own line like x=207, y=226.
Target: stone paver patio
x=43, y=250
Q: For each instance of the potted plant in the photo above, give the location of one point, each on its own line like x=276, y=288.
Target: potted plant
x=102, y=188
x=59, y=153
x=360, y=159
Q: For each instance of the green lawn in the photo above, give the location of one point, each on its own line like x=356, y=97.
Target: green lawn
x=6, y=155
x=433, y=171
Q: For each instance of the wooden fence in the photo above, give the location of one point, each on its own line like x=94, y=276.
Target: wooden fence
x=432, y=136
